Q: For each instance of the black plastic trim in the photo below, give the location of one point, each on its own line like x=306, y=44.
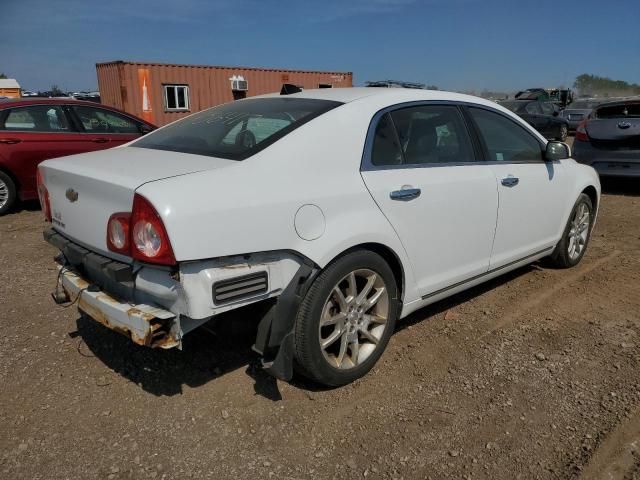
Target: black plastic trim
x=86, y=260
x=275, y=337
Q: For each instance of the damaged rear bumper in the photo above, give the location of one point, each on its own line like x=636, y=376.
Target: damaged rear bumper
x=143, y=324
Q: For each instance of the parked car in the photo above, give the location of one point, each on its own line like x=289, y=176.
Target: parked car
x=543, y=116
x=578, y=111
x=559, y=96
x=33, y=130
x=271, y=199
x=609, y=139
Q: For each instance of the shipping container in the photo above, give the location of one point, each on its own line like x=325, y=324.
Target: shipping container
x=161, y=93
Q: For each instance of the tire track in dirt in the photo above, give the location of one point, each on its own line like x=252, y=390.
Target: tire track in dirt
x=618, y=455
x=538, y=298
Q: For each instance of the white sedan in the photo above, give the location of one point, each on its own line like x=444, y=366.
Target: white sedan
x=344, y=209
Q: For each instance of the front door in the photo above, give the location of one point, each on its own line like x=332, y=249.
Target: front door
x=422, y=172
x=531, y=191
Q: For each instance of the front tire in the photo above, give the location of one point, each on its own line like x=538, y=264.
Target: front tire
x=8, y=193
x=346, y=319
x=576, y=235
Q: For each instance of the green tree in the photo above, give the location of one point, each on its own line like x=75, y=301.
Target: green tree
x=55, y=90
x=2, y=75
x=592, y=84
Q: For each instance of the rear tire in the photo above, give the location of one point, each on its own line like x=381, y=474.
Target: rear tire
x=345, y=321
x=576, y=235
x=8, y=193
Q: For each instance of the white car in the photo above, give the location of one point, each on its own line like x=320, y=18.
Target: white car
x=345, y=209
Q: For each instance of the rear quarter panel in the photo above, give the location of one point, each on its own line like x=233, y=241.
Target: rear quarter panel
x=251, y=206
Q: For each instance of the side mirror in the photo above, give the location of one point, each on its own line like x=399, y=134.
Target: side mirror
x=556, y=113
x=144, y=129
x=557, y=151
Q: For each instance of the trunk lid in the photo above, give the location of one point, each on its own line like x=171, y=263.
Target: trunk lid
x=615, y=127
x=86, y=189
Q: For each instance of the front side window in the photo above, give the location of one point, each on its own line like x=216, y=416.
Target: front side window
x=505, y=140
x=176, y=97
x=37, y=118
x=236, y=130
x=98, y=120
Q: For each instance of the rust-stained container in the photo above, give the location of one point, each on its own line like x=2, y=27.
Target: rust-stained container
x=161, y=93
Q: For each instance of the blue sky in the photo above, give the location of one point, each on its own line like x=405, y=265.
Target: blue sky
x=455, y=44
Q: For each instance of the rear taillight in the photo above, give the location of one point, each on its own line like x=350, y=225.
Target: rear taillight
x=149, y=239
x=140, y=234
x=43, y=196
x=118, y=237
x=581, y=131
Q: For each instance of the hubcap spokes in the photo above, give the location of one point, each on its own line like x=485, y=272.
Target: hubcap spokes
x=4, y=193
x=579, y=231
x=353, y=319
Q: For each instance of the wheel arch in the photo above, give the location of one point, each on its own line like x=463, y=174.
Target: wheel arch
x=592, y=193
x=13, y=178
x=389, y=256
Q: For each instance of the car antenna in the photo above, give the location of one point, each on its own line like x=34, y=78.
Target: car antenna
x=289, y=88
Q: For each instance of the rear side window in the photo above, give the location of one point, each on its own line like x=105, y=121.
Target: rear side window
x=36, y=118
x=534, y=109
x=386, y=148
x=433, y=134
x=98, y=120
x=505, y=140
x=236, y=130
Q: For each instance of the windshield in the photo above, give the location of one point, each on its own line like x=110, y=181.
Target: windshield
x=236, y=130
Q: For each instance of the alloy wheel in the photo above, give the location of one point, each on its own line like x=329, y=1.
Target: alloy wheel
x=579, y=231
x=353, y=319
x=4, y=193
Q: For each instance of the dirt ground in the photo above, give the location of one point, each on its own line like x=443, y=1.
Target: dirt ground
x=533, y=375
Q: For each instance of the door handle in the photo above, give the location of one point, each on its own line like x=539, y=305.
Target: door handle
x=510, y=181
x=99, y=140
x=405, y=194
x=10, y=141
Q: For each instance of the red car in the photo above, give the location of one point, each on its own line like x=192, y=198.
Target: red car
x=36, y=129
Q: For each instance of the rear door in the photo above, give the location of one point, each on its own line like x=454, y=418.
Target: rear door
x=32, y=134
x=105, y=128
x=532, y=192
x=421, y=169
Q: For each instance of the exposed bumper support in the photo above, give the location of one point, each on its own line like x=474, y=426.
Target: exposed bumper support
x=275, y=338
x=143, y=324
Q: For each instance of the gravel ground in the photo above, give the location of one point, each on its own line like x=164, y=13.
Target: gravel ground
x=533, y=375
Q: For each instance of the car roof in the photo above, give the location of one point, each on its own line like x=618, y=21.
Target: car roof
x=390, y=95
x=19, y=102
x=23, y=102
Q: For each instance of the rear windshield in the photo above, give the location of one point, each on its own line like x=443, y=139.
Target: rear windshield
x=236, y=130
x=582, y=105
x=619, y=111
